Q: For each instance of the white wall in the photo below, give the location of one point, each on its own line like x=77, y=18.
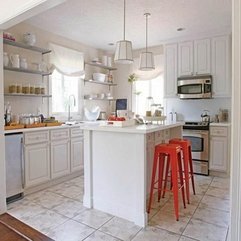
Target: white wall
x=2, y=144
x=30, y=105
x=191, y=110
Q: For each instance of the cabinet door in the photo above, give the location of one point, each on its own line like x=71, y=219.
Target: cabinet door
x=170, y=73
x=185, y=58
x=37, y=164
x=77, y=154
x=202, y=57
x=60, y=158
x=219, y=154
x=221, y=64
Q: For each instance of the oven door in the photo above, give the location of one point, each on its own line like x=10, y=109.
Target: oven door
x=199, y=142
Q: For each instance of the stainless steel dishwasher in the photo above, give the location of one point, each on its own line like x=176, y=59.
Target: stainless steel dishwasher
x=14, y=166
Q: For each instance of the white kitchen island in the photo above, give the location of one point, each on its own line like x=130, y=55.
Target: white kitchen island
x=117, y=167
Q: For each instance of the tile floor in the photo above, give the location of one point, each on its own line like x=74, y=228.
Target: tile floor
x=59, y=213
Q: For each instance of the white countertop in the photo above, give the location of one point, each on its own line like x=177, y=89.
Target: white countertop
x=220, y=124
x=142, y=129
x=24, y=130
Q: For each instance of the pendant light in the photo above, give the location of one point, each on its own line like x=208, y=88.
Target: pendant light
x=123, y=52
x=146, y=58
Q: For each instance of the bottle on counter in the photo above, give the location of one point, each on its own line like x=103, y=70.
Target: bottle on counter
x=8, y=114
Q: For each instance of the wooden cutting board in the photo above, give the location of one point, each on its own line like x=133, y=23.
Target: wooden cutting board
x=13, y=127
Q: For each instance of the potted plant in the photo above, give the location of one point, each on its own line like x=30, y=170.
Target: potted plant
x=131, y=79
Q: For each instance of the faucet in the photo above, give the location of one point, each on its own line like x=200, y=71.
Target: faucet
x=69, y=117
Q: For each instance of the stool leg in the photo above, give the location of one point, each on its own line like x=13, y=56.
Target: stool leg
x=186, y=172
x=166, y=176
x=191, y=170
x=160, y=174
x=174, y=164
x=153, y=179
x=181, y=178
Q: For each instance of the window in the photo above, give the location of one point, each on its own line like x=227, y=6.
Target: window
x=147, y=88
x=63, y=87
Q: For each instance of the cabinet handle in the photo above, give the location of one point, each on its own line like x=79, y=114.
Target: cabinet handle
x=22, y=165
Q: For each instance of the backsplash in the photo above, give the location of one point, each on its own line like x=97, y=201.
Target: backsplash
x=191, y=110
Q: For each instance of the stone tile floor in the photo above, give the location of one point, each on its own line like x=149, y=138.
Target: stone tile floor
x=59, y=213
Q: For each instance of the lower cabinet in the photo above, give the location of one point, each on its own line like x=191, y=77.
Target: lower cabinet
x=60, y=158
x=219, y=149
x=37, y=164
x=52, y=154
x=77, y=154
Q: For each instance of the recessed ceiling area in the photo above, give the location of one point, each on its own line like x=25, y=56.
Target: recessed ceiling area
x=99, y=22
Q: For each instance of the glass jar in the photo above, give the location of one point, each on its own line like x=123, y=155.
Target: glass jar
x=149, y=103
x=19, y=88
x=32, y=89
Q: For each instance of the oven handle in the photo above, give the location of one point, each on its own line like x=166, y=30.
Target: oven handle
x=196, y=132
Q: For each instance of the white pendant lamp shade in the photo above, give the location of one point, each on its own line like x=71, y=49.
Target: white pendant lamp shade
x=147, y=61
x=123, y=52
x=146, y=58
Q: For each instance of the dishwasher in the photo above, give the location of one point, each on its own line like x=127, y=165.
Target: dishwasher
x=14, y=166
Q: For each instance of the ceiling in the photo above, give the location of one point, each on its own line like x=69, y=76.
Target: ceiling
x=99, y=22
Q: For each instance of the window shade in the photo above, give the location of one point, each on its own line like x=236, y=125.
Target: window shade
x=67, y=61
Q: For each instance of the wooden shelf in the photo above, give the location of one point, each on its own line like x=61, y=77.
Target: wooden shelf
x=29, y=71
x=101, y=66
x=25, y=46
x=100, y=83
x=104, y=99
x=27, y=95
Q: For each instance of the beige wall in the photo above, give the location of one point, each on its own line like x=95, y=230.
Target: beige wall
x=30, y=105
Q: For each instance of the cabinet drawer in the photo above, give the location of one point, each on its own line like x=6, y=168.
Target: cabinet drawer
x=76, y=131
x=59, y=134
x=219, y=131
x=36, y=137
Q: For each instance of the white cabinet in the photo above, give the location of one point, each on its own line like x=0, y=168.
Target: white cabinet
x=202, y=57
x=37, y=164
x=77, y=149
x=185, y=58
x=219, y=149
x=170, y=73
x=194, y=57
x=60, y=153
x=221, y=65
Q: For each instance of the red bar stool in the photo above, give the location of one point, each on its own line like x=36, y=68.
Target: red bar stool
x=167, y=155
x=187, y=163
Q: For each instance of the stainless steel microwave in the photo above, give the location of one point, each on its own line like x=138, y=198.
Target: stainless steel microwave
x=195, y=87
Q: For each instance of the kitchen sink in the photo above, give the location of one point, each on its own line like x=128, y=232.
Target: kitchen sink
x=71, y=123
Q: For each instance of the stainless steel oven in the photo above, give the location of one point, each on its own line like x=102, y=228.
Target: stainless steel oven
x=199, y=138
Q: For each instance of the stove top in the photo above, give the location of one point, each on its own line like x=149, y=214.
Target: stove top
x=196, y=125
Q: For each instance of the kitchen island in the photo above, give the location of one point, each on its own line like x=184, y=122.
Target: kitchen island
x=117, y=167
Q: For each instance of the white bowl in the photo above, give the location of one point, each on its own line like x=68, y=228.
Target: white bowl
x=93, y=114
x=99, y=77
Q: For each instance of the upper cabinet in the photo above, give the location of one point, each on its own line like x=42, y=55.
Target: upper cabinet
x=170, y=73
x=211, y=56
x=194, y=57
x=221, y=65
x=185, y=58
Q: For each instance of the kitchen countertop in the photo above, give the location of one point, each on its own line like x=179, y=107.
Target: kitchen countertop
x=220, y=124
x=142, y=129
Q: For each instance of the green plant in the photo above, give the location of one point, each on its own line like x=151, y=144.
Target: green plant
x=132, y=78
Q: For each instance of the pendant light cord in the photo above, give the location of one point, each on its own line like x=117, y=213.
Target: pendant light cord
x=146, y=30
x=124, y=19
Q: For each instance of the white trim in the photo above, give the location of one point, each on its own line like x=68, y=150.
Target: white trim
x=2, y=144
x=235, y=227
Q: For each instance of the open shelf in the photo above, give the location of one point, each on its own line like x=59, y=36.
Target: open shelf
x=100, y=83
x=29, y=71
x=25, y=46
x=92, y=98
x=27, y=95
x=101, y=66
